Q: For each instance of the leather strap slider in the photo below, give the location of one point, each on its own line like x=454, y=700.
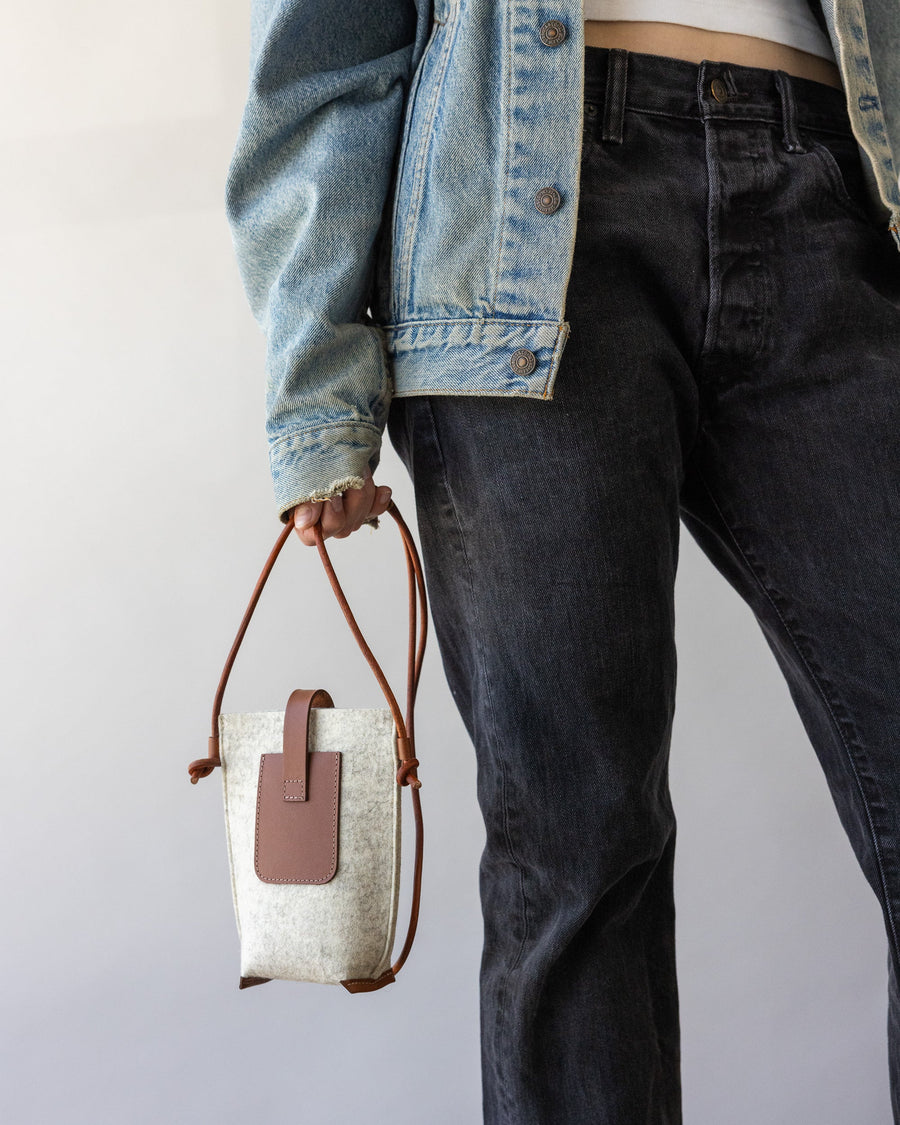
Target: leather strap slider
x=406, y=774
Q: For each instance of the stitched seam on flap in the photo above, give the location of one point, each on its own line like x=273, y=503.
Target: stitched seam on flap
x=334, y=810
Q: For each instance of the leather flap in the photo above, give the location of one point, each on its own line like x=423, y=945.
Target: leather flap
x=297, y=841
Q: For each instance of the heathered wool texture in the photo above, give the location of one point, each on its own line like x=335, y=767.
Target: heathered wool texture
x=344, y=928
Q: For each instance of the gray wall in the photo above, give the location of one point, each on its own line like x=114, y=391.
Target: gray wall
x=138, y=513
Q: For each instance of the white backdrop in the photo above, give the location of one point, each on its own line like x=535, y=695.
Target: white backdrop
x=138, y=513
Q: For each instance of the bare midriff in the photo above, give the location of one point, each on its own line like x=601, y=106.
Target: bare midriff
x=695, y=44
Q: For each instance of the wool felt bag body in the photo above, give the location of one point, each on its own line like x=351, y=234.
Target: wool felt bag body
x=312, y=814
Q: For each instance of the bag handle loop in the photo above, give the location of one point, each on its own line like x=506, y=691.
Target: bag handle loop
x=406, y=775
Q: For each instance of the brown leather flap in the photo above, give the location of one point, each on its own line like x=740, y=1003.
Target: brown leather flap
x=297, y=841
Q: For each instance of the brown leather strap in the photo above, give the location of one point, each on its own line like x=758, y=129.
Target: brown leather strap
x=407, y=773
x=295, y=751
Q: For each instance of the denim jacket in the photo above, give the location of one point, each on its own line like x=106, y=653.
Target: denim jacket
x=383, y=201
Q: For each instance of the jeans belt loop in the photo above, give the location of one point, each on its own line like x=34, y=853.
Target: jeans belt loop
x=790, y=137
x=614, y=100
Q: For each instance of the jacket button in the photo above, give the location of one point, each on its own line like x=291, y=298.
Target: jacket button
x=523, y=361
x=548, y=200
x=552, y=33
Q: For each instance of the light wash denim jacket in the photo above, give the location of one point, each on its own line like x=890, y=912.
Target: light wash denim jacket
x=381, y=198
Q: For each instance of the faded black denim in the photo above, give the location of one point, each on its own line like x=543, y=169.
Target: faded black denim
x=734, y=364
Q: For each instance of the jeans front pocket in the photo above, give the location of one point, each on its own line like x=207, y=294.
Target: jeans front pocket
x=838, y=156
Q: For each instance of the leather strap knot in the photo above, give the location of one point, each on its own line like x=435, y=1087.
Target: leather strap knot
x=203, y=767
x=406, y=775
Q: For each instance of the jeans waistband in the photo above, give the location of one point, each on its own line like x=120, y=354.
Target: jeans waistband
x=621, y=79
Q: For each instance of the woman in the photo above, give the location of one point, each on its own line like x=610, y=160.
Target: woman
x=719, y=345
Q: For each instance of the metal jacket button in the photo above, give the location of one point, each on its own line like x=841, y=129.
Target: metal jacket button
x=548, y=200
x=553, y=33
x=523, y=361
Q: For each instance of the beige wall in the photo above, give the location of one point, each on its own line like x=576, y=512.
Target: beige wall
x=138, y=513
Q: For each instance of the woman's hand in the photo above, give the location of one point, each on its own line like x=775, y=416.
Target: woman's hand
x=344, y=514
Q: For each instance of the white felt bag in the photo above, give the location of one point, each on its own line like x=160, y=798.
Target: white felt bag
x=312, y=816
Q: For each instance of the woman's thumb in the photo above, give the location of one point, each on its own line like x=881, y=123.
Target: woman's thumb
x=305, y=515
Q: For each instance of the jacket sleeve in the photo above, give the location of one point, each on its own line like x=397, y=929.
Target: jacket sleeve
x=305, y=196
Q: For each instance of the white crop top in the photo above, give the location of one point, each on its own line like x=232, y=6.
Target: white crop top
x=783, y=21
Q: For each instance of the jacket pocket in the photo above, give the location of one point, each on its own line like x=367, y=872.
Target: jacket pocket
x=417, y=132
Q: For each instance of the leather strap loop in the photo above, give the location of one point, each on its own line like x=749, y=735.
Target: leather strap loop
x=304, y=699
x=295, y=742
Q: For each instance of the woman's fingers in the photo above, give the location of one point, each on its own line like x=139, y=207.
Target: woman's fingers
x=337, y=515
x=350, y=509
x=359, y=505
x=381, y=504
x=305, y=515
x=341, y=515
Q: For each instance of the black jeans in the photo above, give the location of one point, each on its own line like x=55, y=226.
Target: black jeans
x=734, y=363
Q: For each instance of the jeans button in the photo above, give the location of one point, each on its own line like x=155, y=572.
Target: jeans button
x=719, y=90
